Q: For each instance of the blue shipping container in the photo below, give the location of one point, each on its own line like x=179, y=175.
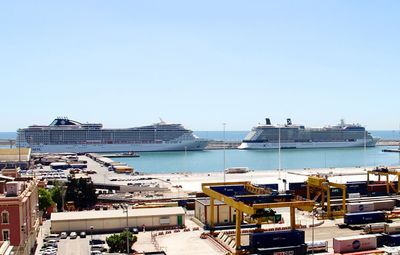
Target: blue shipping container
x=380, y=239
x=276, y=239
x=292, y=250
x=392, y=240
x=357, y=187
x=364, y=218
x=297, y=185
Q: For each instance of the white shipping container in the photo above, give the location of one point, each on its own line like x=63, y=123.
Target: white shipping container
x=354, y=195
x=374, y=228
x=386, y=205
x=360, y=207
x=392, y=228
x=354, y=243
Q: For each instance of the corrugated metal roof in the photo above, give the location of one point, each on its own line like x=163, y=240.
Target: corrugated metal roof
x=8, y=155
x=132, y=213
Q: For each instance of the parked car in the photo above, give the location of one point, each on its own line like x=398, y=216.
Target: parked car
x=135, y=231
x=73, y=235
x=82, y=234
x=98, y=247
x=50, y=243
x=63, y=235
x=96, y=241
x=52, y=237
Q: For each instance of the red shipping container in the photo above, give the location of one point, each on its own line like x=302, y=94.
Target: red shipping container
x=377, y=187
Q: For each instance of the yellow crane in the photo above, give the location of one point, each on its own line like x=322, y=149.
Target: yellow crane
x=386, y=172
x=250, y=209
x=320, y=186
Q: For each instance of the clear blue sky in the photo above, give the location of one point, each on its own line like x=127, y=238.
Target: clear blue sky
x=200, y=63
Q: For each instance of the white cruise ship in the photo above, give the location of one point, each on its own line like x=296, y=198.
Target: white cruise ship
x=65, y=135
x=290, y=136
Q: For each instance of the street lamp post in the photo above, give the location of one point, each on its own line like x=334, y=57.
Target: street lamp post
x=313, y=214
x=224, y=144
x=365, y=149
x=279, y=153
x=125, y=210
x=91, y=233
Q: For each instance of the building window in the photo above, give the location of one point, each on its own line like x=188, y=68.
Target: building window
x=5, y=217
x=6, y=235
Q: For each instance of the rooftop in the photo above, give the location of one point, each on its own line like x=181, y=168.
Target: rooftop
x=132, y=213
x=15, y=154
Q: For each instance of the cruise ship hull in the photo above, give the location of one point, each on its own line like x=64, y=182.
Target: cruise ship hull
x=306, y=145
x=190, y=145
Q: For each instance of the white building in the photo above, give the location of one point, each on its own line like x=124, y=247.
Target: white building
x=116, y=220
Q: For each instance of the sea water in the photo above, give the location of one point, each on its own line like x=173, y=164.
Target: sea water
x=213, y=160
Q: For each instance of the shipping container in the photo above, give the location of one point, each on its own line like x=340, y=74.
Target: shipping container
x=392, y=240
x=360, y=207
x=354, y=243
x=336, y=192
x=357, y=187
x=364, y=218
x=377, y=187
x=276, y=239
x=392, y=228
x=288, y=250
x=317, y=246
x=380, y=239
x=298, y=188
x=374, y=228
x=386, y=205
x=378, y=194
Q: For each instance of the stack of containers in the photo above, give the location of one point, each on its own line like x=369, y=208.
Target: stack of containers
x=357, y=187
x=377, y=188
x=269, y=243
x=354, y=243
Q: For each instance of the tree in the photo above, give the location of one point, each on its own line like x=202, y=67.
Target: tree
x=117, y=242
x=57, y=193
x=45, y=200
x=82, y=192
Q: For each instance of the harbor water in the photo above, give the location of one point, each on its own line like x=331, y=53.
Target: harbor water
x=213, y=160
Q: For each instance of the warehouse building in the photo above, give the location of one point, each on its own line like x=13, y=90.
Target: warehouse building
x=116, y=220
x=16, y=157
x=224, y=214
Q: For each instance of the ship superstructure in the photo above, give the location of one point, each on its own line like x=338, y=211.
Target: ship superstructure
x=65, y=135
x=291, y=136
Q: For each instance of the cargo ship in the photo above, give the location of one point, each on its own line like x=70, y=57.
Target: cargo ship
x=65, y=135
x=291, y=136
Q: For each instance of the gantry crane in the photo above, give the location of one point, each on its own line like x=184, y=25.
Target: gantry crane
x=385, y=171
x=320, y=186
x=251, y=200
